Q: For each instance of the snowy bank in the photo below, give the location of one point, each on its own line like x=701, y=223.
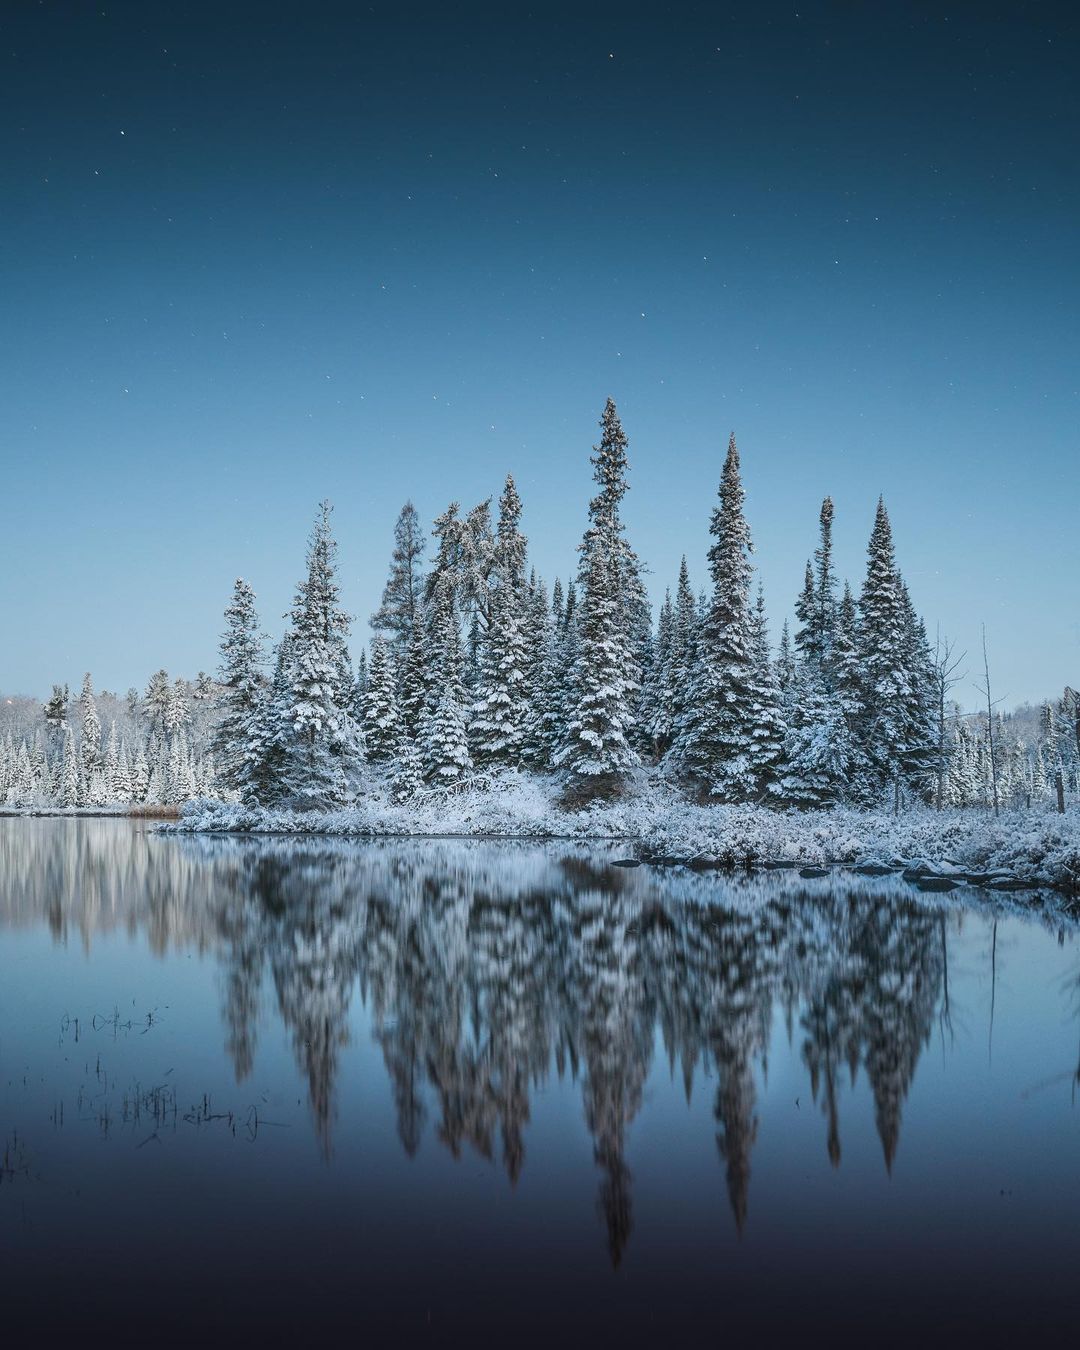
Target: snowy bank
x=1030, y=848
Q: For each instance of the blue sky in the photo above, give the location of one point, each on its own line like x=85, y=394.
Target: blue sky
x=249, y=259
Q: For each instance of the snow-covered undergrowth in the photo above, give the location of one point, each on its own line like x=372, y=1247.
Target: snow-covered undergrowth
x=1037, y=846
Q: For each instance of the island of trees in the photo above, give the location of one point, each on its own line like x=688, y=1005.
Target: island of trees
x=476, y=668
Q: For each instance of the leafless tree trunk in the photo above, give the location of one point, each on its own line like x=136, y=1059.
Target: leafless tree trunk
x=946, y=665
x=990, y=723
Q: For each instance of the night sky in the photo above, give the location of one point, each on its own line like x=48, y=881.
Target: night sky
x=254, y=255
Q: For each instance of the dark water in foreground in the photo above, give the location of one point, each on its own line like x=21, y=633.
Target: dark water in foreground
x=437, y=1088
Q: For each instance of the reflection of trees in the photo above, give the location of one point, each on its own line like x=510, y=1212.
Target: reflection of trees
x=486, y=968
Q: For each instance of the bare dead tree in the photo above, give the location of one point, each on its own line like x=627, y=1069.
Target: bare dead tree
x=946, y=668
x=985, y=688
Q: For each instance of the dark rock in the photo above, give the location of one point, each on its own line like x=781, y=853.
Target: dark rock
x=775, y=865
x=1009, y=884
x=874, y=869
x=809, y=872
x=937, y=883
x=626, y=862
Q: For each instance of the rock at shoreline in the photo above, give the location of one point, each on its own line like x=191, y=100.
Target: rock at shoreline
x=873, y=867
x=810, y=872
x=930, y=883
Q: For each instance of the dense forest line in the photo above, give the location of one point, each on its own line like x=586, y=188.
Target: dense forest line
x=474, y=666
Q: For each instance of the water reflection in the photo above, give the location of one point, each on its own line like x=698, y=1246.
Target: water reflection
x=486, y=970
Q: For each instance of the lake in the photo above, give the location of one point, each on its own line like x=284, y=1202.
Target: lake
x=438, y=1088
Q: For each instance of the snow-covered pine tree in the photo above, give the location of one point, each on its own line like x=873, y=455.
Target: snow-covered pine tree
x=655, y=710
x=443, y=738
x=382, y=716
x=111, y=762
x=321, y=746
x=361, y=683
x=785, y=664
x=883, y=661
x=767, y=721
x=156, y=701
x=595, y=747
x=917, y=758
x=140, y=776
x=501, y=705
x=818, y=752
x=806, y=615
x=56, y=714
x=399, y=611
x=120, y=787
x=239, y=738
x=408, y=772
x=68, y=794
x=683, y=646
x=90, y=748
x=542, y=723
x=715, y=732
x=824, y=584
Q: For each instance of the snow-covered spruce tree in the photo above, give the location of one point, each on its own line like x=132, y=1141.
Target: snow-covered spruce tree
x=819, y=752
x=767, y=720
x=443, y=739
x=110, y=763
x=684, y=630
x=399, y=611
x=716, y=730
x=55, y=713
x=156, y=701
x=785, y=665
x=918, y=757
x=888, y=668
x=408, y=772
x=510, y=546
x=413, y=674
x=595, y=745
x=239, y=738
x=360, y=684
x=806, y=616
x=655, y=710
x=824, y=595
x=68, y=794
x=542, y=720
x=610, y=465
x=501, y=705
x=90, y=748
x=382, y=716
x=321, y=745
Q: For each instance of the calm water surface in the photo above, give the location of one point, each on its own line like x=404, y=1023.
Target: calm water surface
x=441, y=1088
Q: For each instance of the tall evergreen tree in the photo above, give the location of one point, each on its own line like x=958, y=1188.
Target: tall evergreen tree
x=596, y=741
x=766, y=718
x=156, y=701
x=399, y=611
x=322, y=744
x=382, y=715
x=443, y=737
x=243, y=762
x=90, y=749
x=595, y=744
x=884, y=641
x=716, y=730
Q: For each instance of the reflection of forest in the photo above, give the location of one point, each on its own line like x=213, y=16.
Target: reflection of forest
x=487, y=967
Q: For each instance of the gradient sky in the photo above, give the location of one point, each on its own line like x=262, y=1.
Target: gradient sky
x=251, y=256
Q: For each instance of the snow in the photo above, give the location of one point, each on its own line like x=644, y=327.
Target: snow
x=1036, y=846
